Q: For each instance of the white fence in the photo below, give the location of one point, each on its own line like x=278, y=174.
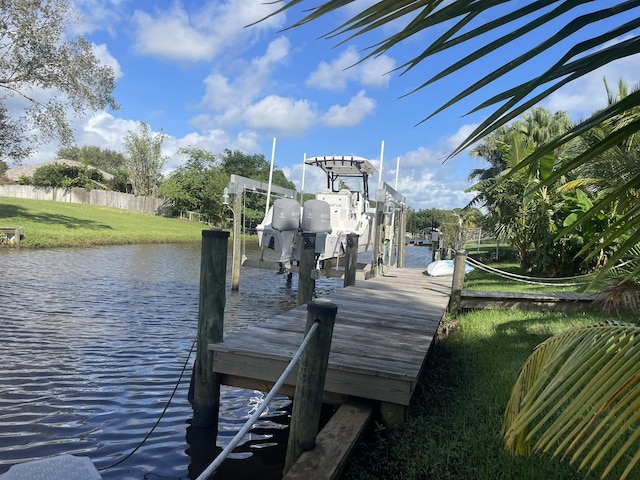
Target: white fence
x=105, y=198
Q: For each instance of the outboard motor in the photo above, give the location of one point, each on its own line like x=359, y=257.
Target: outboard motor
x=286, y=215
x=316, y=217
x=285, y=222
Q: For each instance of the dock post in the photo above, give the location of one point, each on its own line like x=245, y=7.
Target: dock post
x=237, y=245
x=204, y=391
x=351, y=256
x=307, y=401
x=458, y=281
x=306, y=283
x=402, y=233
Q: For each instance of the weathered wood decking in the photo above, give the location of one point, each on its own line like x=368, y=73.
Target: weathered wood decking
x=566, y=301
x=382, y=333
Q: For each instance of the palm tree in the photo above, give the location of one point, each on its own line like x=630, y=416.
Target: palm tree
x=520, y=211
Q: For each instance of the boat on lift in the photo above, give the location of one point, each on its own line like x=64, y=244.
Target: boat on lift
x=332, y=215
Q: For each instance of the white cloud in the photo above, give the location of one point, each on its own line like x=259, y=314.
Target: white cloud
x=171, y=36
x=233, y=96
x=352, y=114
x=100, y=15
x=230, y=102
x=281, y=114
x=104, y=130
x=430, y=191
x=336, y=75
x=179, y=35
x=374, y=72
x=461, y=135
x=587, y=94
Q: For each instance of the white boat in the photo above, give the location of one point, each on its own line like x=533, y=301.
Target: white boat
x=441, y=268
x=332, y=215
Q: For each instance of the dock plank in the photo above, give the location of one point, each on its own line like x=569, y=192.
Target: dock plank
x=382, y=333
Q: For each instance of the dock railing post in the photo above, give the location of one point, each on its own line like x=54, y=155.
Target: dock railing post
x=307, y=402
x=458, y=281
x=306, y=283
x=351, y=256
x=204, y=391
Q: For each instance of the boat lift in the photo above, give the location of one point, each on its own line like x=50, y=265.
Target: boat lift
x=237, y=186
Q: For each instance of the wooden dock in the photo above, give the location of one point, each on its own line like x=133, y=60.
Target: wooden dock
x=382, y=333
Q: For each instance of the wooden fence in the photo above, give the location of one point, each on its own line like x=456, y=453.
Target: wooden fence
x=105, y=198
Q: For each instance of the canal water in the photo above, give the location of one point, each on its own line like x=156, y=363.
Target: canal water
x=94, y=343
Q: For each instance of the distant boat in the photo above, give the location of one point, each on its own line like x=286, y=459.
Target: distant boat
x=332, y=215
x=441, y=268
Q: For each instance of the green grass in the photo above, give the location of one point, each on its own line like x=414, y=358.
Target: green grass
x=56, y=224
x=453, y=430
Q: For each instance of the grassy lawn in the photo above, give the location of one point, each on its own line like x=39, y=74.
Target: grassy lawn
x=54, y=224
x=453, y=430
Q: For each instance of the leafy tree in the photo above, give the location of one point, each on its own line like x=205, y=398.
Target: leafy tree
x=197, y=186
x=256, y=167
x=4, y=166
x=66, y=176
x=144, y=159
x=47, y=72
x=12, y=134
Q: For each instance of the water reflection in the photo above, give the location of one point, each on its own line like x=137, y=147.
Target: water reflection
x=93, y=342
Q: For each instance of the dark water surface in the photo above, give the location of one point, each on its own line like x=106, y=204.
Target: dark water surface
x=93, y=342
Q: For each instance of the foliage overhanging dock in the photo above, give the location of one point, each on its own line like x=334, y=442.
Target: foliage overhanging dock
x=382, y=333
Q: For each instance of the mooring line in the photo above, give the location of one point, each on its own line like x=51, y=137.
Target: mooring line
x=175, y=389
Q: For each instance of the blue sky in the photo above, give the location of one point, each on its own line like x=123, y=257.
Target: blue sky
x=193, y=70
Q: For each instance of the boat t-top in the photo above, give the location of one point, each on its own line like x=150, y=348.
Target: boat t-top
x=337, y=211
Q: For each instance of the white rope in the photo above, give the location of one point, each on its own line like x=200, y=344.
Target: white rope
x=211, y=469
x=524, y=279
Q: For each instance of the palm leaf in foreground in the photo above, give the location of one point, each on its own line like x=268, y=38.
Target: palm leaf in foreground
x=482, y=28
x=578, y=396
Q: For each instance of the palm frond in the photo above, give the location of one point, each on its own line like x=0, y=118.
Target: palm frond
x=578, y=396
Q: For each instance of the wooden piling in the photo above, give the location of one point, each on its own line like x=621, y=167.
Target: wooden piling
x=458, y=281
x=307, y=401
x=306, y=282
x=237, y=245
x=402, y=233
x=205, y=384
x=351, y=256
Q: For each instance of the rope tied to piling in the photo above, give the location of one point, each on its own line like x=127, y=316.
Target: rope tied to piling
x=211, y=469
